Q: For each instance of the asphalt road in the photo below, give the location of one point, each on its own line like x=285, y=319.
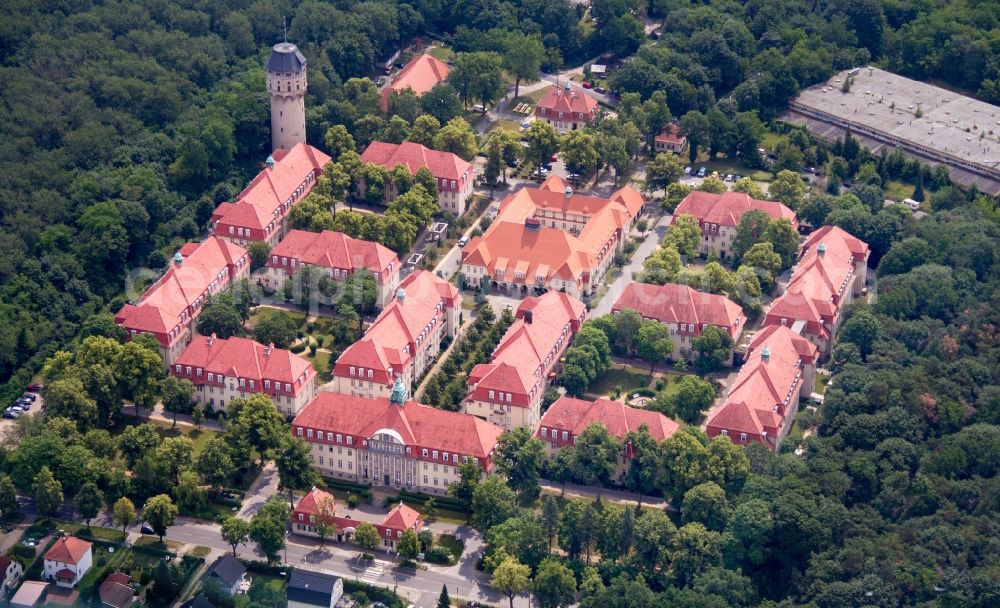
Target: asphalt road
x=644, y=250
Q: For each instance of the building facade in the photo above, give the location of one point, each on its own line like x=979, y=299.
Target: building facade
x=286, y=86
x=830, y=273
x=718, y=216
x=319, y=506
x=566, y=109
x=549, y=238
x=393, y=442
x=686, y=312
x=403, y=340
x=567, y=418
x=169, y=308
x=762, y=403
x=508, y=390
x=67, y=561
x=455, y=177
x=226, y=369
x=337, y=255
x=670, y=140
x=260, y=211
x=10, y=572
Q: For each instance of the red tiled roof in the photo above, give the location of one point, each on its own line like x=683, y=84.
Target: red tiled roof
x=727, y=209
x=402, y=517
x=574, y=415
x=259, y=204
x=672, y=303
x=420, y=75
x=551, y=252
x=116, y=590
x=68, y=550
x=119, y=577
x=309, y=504
x=756, y=400
x=416, y=425
x=518, y=362
x=4, y=563
x=414, y=156
x=244, y=358
x=400, y=323
x=330, y=249
x=820, y=281
x=160, y=308
x=671, y=135
x=559, y=100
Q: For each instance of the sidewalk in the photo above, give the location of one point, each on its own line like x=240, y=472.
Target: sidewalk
x=182, y=419
x=620, y=497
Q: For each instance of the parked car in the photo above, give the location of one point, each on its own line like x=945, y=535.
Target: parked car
x=702, y=172
x=729, y=177
x=35, y=388
x=687, y=170
x=586, y=84
x=600, y=90
x=737, y=177
x=147, y=529
x=573, y=177
x=11, y=413
x=380, y=81
x=462, y=242
x=30, y=397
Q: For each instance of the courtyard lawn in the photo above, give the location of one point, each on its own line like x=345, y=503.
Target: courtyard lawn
x=278, y=586
x=821, y=382
x=529, y=98
x=443, y=53
x=262, y=312
x=629, y=379
x=163, y=428
x=453, y=544
x=771, y=140
x=724, y=165
x=321, y=362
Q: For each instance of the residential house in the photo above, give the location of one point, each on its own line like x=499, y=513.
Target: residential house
x=67, y=561
x=567, y=418
x=670, y=140
x=169, y=308
x=229, y=573
x=337, y=255
x=508, y=390
x=116, y=591
x=10, y=573
x=318, y=505
x=393, y=442
x=30, y=594
x=260, y=211
x=454, y=176
x=830, y=273
x=420, y=74
x=685, y=311
x=310, y=589
x=718, y=216
x=226, y=369
x=403, y=340
x=551, y=238
x=199, y=601
x=565, y=108
x=764, y=398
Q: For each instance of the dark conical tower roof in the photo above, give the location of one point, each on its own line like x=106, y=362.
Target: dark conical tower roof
x=286, y=57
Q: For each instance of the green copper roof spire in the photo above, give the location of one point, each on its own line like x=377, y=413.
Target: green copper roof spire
x=398, y=395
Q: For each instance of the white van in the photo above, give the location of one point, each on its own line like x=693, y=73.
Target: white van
x=911, y=204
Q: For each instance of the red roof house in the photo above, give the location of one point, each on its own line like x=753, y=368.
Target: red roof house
x=225, y=369
x=169, y=307
x=259, y=212
x=670, y=140
x=420, y=75
x=720, y=214
x=566, y=109
x=338, y=254
x=832, y=270
x=763, y=400
x=351, y=434
x=311, y=509
x=67, y=561
x=508, y=390
x=116, y=591
x=404, y=338
x=686, y=311
x=454, y=175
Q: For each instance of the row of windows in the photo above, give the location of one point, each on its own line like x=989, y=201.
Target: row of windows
x=743, y=436
x=555, y=434
x=243, y=382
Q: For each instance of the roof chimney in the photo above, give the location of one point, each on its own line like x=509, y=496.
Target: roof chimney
x=821, y=249
x=268, y=349
x=269, y=162
x=569, y=192
x=765, y=354
x=178, y=259
x=211, y=339
x=400, y=295
x=527, y=317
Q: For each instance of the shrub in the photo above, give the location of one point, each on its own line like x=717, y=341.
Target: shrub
x=310, y=327
x=438, y=555
x=22, y=554
x=298, y=348
x=660, y=384
x=353, y=500
x=312, y=349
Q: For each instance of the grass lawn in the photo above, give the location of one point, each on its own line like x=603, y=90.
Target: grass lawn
x=154, y=542
x=771, y=139
x=279, y=588
x=452, y=544
x=262, y=312
x=322, y=364
x=529, y=98
x=821, y=382
x=198, y=436
x=724, y=166
x=95, y=531
x=200, y=551
x=628, y=379
x=897, y=191
x=441, y=52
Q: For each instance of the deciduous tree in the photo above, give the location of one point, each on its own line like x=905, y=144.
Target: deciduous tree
x=235, y=532
x=159, y=512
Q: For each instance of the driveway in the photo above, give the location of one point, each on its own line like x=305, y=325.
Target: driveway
x=631, y=269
